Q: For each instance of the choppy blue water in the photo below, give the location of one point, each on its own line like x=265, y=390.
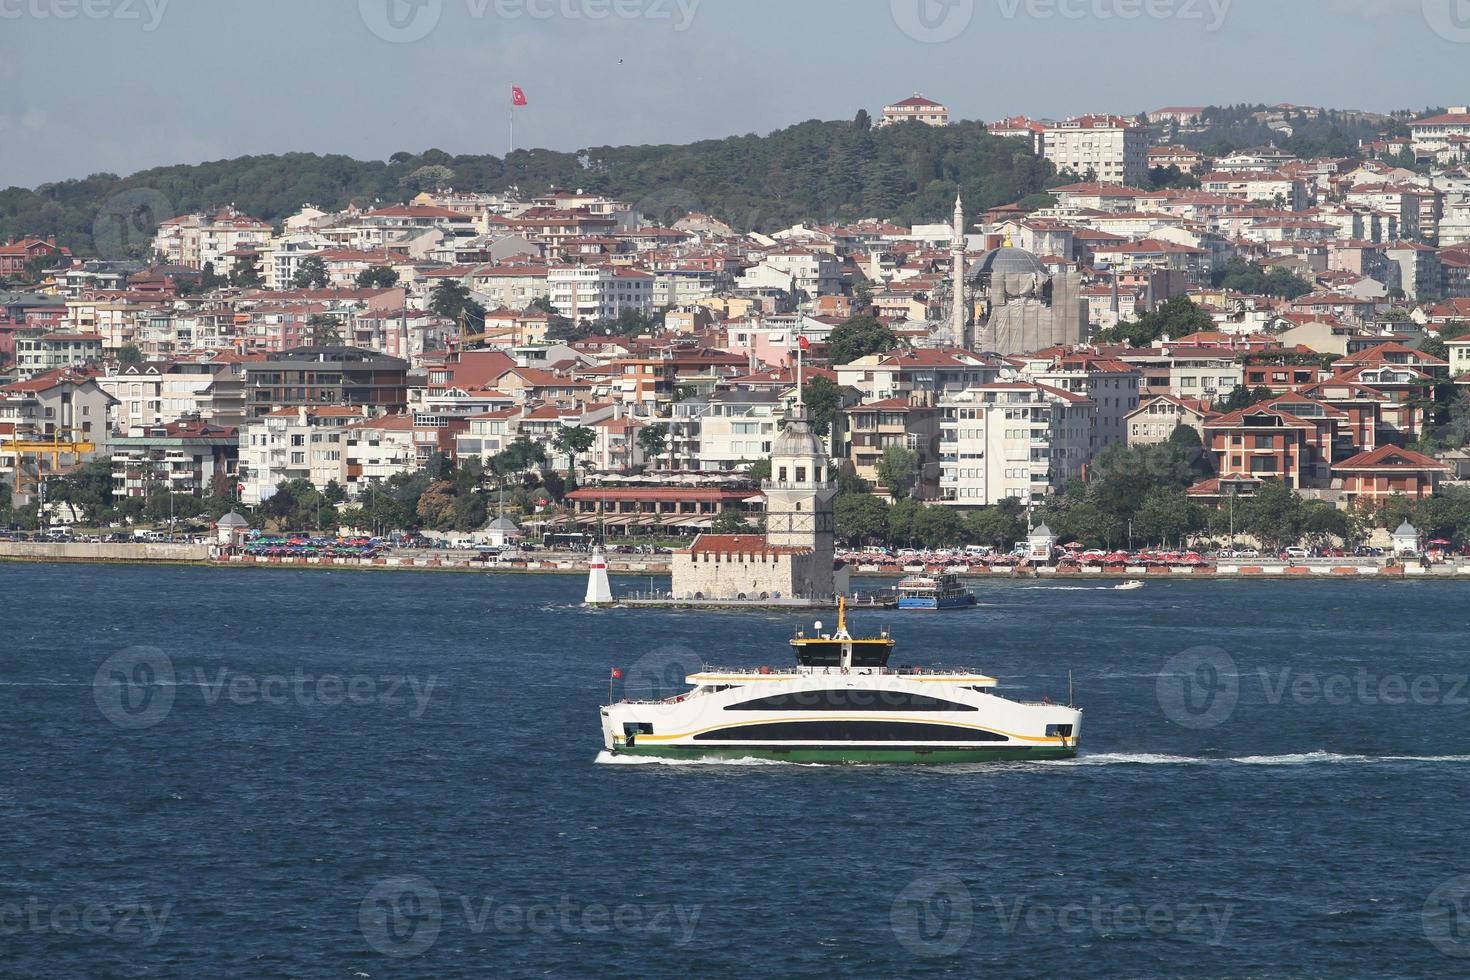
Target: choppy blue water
x=389, y=774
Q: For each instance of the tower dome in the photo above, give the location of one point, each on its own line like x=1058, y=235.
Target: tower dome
x=797, y=439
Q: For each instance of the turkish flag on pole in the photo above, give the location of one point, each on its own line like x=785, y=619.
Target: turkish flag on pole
x=803, y=343
x=617, y=674
x=517, y=95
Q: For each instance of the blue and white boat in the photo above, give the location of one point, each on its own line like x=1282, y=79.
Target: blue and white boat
x=943, y=591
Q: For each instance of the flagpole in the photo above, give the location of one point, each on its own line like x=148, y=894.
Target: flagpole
x=511, y=122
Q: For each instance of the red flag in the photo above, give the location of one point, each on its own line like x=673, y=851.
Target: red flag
x=517, y=95
x=803, y=343
x=617, y=674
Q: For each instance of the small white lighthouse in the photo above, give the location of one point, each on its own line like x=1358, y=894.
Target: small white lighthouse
x=599, y=593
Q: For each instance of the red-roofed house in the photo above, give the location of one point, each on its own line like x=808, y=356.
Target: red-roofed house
x=915, y=108
x=1388, y=471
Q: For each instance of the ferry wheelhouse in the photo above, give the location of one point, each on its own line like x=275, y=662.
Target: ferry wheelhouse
x=942, y=591
x=842, y=703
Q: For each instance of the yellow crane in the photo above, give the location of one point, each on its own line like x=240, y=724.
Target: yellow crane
x=54, y=446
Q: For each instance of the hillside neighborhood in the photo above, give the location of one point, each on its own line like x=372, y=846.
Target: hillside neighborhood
x=1167, y=347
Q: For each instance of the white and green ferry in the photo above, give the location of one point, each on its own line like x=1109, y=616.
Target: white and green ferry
x=842, y=703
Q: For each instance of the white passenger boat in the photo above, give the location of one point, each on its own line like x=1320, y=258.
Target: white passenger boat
x=842, y=702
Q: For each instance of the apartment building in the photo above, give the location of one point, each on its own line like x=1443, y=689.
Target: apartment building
x=589, y=293
x=1111, y=149
x=1011, y=439
x=297, y=443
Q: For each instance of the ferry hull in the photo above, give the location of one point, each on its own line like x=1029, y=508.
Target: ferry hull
x=852, y=754
x=948, y=602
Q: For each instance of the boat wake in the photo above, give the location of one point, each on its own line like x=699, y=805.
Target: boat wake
x=1293, y=759
x=606, y=758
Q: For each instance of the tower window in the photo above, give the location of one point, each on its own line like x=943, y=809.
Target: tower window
x=801, y=474
x=782, y=476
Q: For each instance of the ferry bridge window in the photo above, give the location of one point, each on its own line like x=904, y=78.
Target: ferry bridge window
x=843, y=699
x=848, y=731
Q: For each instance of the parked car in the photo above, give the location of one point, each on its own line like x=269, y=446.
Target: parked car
x=1294, y=553
x=1246, y=553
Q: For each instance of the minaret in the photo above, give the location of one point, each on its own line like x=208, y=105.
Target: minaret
x=957, y=274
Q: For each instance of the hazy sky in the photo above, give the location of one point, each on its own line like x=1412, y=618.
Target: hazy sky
x=119, y=85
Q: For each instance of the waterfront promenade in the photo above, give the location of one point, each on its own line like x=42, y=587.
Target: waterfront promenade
x=452, y=560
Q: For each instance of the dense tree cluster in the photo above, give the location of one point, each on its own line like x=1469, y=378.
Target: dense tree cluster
x=1248, y=277
x=813, y=171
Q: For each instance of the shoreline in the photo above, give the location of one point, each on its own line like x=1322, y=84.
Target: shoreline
x=578, y=567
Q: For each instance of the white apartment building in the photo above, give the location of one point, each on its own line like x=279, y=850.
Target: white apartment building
x=194, y=239
x=589, y=293
x=511, y=287
x=294, y=444
x=813, y=272
x=1111, y=385
x=282, y=256
x=1011, y=439
x=1111, y=147
x=374, y=449
x=1443, y=137
x=149, y=395
x=725, y=430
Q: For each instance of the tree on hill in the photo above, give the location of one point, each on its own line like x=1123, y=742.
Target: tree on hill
x=573, y=441
x=311, y=274
x=653, y=439
x=811, y=171
x=1177, y=317
x=324, y=330
x=377, y=276
x=858, y=337
x=1240, y=276
x=822, y=398
x=245, y=274
x=897, y=468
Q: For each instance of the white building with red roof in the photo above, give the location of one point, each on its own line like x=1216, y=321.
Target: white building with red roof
x=915, y=108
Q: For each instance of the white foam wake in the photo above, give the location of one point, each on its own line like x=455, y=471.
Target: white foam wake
x=1292, y=759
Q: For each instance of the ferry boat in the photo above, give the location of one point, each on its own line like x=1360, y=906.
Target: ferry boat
x=842, y=703
x=943, y=591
